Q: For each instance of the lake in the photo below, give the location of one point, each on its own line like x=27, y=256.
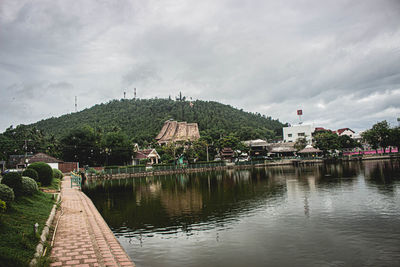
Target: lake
x=323, y=215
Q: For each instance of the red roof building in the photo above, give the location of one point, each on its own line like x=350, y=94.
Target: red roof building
x=345, y=131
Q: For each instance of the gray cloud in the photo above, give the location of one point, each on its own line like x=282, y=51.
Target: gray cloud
x=337, y=60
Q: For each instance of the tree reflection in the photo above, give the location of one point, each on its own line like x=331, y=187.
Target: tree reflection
x=178, y=201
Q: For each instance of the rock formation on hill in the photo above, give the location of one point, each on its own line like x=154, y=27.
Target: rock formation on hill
x=174, y=131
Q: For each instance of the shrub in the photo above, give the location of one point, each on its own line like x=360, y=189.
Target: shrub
x=3, y=206
x=57, y=174
x=31, y=173
x=29, y=186
x=13, y=180
x=92, y=171
x=44, y=171
x=111, y=167
x=6, y=193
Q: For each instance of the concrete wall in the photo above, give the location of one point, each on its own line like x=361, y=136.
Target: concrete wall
x=291, y=134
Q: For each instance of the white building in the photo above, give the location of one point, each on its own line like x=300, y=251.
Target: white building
x=292, y=133
x=345, y=131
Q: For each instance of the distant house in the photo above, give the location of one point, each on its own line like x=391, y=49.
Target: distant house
x=320, y=130
x=173, y=131
x=282, y=149
x=258, y=147
x=42, y=157
x=18, y=161
x=345, y=131
x=227, y=154
x=150, y=154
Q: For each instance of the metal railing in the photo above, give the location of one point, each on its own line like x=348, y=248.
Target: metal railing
x=76, y=180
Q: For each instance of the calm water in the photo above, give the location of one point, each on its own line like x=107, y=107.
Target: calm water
x=325, y=215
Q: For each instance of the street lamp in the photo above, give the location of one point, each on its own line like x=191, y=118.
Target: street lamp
x=108, y=152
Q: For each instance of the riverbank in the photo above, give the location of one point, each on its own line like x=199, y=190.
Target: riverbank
x=83, y=237
x=243, y=165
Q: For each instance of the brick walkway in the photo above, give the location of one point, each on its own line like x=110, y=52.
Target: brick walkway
x=83, y=238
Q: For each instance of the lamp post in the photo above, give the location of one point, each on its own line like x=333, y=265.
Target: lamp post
x=108, y=152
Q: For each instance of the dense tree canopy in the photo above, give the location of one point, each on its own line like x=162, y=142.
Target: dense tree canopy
x=327, y=141
x=141, y=120
x=381, y=135
x=80, y=145
x=97, y=135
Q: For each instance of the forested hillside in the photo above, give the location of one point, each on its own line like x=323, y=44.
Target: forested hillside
x=90, y=135
x=141, y=120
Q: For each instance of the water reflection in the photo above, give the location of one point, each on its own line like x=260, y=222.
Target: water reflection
x=181, y=200
x=286, y=216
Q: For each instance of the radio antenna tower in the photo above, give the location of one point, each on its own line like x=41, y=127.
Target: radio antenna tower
x=76, y=103
x=124, y=95
x=134, y=94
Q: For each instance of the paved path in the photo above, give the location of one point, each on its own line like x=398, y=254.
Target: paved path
x=83, y=238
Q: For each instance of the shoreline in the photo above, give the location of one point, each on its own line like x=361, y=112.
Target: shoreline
x=285, y=162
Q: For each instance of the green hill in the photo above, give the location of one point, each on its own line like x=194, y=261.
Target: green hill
x=142, y=119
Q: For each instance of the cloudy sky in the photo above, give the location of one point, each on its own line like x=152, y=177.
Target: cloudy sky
x=337, y=60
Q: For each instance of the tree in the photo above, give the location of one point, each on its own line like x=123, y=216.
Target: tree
x=382, y=130
x=378, y=136
x=370, y=137
x=229, y=141
x=7, y=147
x=80, y=145
x=118, y=147
x=326, y=141
x=346, y=142
x=395, y=137
x=200, y=149
x=300, y=143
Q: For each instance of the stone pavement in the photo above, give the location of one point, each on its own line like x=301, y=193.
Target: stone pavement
x=83, y=238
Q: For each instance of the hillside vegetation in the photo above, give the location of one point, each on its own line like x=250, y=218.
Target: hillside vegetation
x=141, y=120
x=105, y=133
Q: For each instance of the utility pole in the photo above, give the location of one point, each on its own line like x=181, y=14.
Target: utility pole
x=207, y=153
x=26, y=151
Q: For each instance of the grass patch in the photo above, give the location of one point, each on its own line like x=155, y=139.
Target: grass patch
x=55, y=184
x=17, y=239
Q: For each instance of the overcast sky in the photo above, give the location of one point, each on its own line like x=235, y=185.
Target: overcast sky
x=337, y=60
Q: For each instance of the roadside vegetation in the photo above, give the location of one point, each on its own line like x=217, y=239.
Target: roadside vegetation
x=22, y=205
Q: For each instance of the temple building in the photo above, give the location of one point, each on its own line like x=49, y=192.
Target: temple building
x=174, y=131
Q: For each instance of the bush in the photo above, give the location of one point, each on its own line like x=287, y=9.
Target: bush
x=57, y=174
x=6, y=193
x=31, y=173
x=13, y=180
x=111, y=167
x=29, y=186
x=44, y=171
x=3, y=206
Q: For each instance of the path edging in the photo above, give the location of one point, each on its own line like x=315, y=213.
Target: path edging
x=45, y=232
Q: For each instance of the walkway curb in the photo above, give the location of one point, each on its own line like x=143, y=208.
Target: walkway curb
x=45, y=233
